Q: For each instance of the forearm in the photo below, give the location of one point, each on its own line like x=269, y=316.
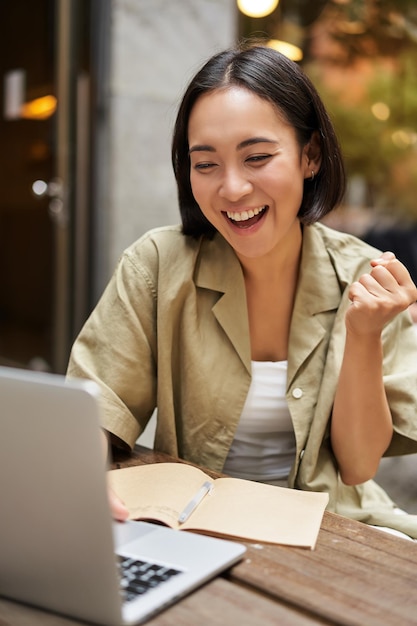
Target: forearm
x=361, y=427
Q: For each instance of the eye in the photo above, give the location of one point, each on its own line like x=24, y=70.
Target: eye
x=258, y=158
x=203, y=167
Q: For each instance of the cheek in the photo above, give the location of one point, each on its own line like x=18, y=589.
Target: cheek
x=285, y=183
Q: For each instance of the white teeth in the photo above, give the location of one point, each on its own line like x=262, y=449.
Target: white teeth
x=242, y=216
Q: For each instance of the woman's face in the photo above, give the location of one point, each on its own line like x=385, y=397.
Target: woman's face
x=247, y=170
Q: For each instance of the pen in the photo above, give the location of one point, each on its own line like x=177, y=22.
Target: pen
x=193, y=504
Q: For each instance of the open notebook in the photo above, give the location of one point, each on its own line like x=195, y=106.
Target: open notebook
x=57, y=539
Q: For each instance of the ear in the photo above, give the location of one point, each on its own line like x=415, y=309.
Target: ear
x=312, y=156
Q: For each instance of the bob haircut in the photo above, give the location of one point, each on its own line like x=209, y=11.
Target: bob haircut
x=273, y=77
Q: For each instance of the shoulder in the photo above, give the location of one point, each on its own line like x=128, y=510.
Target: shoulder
x=163, y=247
x=343, y=243
x=349, y=255
x=162, y=240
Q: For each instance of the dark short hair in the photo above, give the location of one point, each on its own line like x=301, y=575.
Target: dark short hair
x=272, y=76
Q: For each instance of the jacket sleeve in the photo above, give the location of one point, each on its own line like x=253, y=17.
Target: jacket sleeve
x=400, y=380
x=117, y=347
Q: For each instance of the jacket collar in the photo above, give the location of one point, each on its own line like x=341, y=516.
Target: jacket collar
x=317, y=297
x=219, y=270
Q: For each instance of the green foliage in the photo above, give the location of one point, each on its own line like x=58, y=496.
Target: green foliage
x=382, y=152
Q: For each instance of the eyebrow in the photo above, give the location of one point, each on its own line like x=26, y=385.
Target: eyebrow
x=243, y=144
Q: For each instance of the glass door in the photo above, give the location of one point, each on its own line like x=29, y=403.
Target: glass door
x=43, y=209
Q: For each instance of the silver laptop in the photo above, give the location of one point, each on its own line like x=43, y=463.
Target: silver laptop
x=59, y=548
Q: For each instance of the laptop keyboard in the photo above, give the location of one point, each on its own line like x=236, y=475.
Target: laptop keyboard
x=138, y=577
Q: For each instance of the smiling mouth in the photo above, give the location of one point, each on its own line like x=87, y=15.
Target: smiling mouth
x=244, y=219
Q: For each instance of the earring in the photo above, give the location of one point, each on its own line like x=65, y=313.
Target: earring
x=312, y=175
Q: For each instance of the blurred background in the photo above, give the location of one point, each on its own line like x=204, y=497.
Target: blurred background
x=89, y=92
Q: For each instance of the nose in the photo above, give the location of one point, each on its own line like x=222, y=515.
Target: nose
x=234, y=185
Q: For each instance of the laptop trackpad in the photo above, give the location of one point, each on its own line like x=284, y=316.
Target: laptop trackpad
x=124, y=532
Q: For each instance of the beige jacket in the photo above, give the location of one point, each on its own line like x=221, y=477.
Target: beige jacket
x=171, y=331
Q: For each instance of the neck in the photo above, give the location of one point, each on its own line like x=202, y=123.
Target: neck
x=283, y=260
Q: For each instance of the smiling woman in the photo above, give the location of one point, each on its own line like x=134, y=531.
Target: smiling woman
x=248, y=172
x=302, y=111
x=271, y=346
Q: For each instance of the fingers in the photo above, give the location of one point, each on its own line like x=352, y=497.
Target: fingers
x=389, y=262
x=385, y=257
x=378, y=296
x=118, y=510
x=391, y=275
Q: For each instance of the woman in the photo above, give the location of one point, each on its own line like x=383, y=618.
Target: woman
x=273, y=348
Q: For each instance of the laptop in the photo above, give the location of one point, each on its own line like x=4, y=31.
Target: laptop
x=59, y=548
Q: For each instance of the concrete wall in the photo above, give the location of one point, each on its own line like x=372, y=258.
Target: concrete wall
x=156, y=46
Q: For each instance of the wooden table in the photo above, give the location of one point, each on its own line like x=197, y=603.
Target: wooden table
x=356, y=576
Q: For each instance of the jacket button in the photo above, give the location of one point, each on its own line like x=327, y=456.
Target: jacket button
x=297, y=392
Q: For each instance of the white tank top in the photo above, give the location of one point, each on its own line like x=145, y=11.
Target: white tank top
x=264, y=445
